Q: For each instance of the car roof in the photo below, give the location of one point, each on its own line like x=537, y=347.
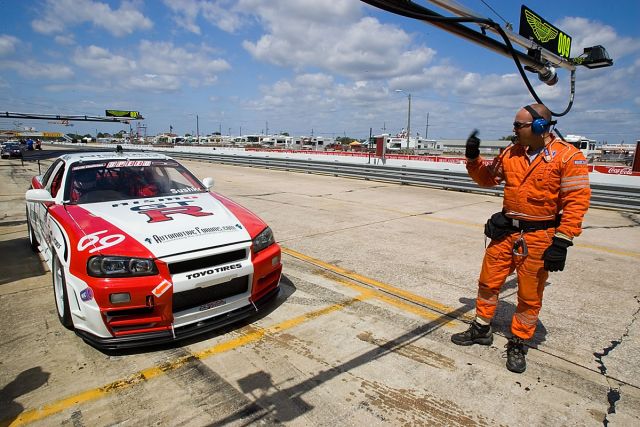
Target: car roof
x=90, y=156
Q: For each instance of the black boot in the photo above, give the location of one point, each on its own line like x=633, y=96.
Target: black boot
x=515, y=355
x=476, y=334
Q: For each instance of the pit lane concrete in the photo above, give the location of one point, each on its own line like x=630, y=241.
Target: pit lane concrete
x=377, y=276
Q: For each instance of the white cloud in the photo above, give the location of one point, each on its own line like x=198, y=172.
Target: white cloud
x=58, y=14
x=330, y=35
x=38, y=70
x=221, y=14
x=587, y=33
x=65, y=40
x=167, y=58
x=317, y=80
x=102, y=62
x=155, y=66
x=153, y=82
x=7, y=44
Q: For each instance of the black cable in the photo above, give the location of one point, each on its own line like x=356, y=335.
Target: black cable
x=493, y=10
x=415, y=11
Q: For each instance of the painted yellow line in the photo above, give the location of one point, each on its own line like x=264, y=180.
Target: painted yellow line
x=372, y=282
x=609, y=250
x=253, y=335
x=399, y=303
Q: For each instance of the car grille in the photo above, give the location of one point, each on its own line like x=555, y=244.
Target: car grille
x=201, y=296
x=207, y=262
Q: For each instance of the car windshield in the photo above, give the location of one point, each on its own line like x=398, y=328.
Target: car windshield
x=128, y=179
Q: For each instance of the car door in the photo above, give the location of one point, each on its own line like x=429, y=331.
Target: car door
x=52, y=182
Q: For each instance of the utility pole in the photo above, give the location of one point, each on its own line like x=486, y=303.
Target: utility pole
x=197, y=129
x=426, y=129
x=409, y=122
x=266, y=126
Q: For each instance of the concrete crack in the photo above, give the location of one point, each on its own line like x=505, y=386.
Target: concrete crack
x=614, y=393
x=634, y=218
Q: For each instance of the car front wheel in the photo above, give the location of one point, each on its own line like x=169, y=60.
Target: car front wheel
x=60, y=294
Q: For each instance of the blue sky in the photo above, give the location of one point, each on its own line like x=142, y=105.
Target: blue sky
x=331, y=67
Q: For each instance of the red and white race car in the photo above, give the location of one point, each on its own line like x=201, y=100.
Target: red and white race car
x=141, y=252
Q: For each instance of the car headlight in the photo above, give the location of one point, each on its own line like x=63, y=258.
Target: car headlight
x=115, y=266
x=263, y=240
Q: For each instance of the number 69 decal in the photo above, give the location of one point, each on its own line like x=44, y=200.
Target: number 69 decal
x=104, y=242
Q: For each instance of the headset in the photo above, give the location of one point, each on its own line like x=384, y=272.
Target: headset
x=539, y=125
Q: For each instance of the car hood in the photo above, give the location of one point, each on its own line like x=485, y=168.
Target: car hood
x=164, y=225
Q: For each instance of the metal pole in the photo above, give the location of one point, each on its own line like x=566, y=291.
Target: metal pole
x=409, y=121
x=197, y=129
x=426, y=129
x=369, y=146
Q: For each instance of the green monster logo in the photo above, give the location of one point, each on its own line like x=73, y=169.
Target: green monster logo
x=543, y=31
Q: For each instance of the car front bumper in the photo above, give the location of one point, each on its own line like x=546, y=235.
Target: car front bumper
x=188, y=331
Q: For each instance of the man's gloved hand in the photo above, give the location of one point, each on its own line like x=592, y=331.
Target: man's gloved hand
x=556, y=254
x=472, y=150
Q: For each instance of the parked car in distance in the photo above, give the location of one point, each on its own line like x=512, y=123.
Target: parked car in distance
x=142, y=252
x=11, y=149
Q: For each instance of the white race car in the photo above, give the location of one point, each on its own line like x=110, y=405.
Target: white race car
x=141, y=252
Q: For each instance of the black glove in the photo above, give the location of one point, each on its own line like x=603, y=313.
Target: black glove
x=556, y=254
x=472, y=150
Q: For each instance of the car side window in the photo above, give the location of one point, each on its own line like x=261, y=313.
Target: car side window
x=50, y=171
x=55, y=180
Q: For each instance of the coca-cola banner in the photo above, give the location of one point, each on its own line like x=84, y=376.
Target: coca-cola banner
x=614, y=170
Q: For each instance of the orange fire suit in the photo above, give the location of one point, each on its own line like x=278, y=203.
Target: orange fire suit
x=555, y=183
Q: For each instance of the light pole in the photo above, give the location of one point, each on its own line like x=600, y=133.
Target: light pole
x=408, y=115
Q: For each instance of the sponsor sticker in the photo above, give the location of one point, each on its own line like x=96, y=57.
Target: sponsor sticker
x=91, y=166
x=128, y=163
x=193, y=232
x=86, y=294
x=163, y=287
x=183, y=190
x=214, y=270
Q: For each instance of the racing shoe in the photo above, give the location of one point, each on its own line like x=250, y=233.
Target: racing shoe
x=476, y=334
x=515, y=355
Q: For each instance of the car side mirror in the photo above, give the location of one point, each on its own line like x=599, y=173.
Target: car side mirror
x=207, y=182
x=38, y=195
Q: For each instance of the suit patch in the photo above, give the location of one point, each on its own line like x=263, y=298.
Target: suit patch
x=579, y=162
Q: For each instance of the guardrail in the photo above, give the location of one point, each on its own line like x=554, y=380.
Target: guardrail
x=605, y=196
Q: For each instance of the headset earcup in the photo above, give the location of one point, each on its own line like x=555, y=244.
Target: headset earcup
x=539, y=126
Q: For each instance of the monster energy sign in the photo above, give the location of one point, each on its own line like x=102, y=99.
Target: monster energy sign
x=120, y=113
x=533, y=27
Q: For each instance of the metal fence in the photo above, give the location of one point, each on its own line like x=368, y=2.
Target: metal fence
x=605, y=196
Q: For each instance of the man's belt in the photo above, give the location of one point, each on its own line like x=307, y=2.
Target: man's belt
x=528, y=226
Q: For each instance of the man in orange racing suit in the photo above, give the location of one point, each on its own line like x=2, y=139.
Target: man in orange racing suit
x=546, y=195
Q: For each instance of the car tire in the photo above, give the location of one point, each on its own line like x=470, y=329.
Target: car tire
x=60, y=294
x=33, y=241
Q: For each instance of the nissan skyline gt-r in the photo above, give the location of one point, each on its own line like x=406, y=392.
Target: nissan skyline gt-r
x=141, y=252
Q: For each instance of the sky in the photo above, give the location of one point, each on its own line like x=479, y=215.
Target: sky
x=306, y=67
